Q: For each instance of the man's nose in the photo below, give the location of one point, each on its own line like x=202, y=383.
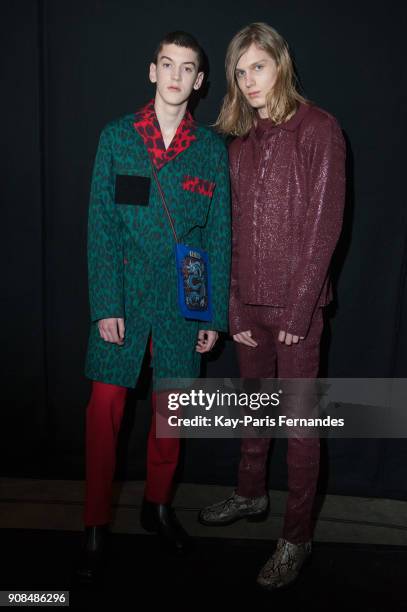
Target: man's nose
x=176, y=75
x=249, y=80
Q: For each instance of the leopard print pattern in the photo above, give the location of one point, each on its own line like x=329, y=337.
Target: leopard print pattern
x=195, y=184
x=131, y=257
x=148, y=127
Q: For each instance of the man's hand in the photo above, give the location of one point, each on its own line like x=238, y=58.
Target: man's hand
x=112, y=330
x=206, y=340
x=245, y=338
x=288, y=339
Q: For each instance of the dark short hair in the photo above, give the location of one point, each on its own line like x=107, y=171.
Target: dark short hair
x=181, y=39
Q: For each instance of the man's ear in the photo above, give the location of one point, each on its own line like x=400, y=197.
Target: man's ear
x=199, y=79
x=153, y=73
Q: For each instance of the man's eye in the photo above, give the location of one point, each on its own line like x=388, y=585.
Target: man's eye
x=188, y=68
x=259, y=66
x=166, y=64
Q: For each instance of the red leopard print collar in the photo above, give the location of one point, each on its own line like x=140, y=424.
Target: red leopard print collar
x=148, y=127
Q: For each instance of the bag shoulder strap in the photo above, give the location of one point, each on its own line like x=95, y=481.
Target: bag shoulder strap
x=160, y=191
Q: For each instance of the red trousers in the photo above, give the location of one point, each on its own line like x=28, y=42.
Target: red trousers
x=268, y=360
x=103, y=419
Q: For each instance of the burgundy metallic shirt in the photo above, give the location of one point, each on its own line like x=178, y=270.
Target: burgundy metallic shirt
x=288, y=193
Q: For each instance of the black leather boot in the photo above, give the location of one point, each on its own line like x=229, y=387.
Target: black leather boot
x=161, y=519
x=93, y=553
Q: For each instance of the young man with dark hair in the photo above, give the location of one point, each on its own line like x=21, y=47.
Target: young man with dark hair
x=133, y=281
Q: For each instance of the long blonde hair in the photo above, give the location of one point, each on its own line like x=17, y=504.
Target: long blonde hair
x=236, y=116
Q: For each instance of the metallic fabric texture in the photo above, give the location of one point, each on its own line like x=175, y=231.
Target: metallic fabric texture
x=288, y=192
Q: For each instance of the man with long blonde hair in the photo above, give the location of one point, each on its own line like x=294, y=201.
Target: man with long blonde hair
x=287, y=166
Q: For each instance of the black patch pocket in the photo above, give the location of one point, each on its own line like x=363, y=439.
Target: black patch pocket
x=131, y=189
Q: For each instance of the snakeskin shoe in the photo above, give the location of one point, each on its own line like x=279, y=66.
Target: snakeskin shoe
x=285, y=565
x=233, y=509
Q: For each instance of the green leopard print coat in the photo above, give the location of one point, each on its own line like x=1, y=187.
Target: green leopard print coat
x=131, y=262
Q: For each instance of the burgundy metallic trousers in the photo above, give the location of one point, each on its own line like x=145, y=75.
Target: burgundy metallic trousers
x=268, y=360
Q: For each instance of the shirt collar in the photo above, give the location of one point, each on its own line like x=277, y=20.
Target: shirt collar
x=264, y=125
x=147, y=125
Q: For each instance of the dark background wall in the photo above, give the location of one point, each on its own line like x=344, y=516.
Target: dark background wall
x=67, y=68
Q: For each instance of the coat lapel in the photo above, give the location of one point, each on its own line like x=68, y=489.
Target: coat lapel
x=147, y=125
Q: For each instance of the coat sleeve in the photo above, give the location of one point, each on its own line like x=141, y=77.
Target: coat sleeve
x=216, y=239
x=235, y=308
x=322, y=224
x=105, y=252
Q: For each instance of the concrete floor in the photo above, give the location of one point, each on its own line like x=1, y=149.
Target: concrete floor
x=58, y=504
